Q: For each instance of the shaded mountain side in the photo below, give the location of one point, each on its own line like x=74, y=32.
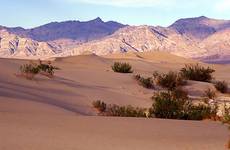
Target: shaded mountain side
x=218, y=46
x=199, y=28
x=73, y=30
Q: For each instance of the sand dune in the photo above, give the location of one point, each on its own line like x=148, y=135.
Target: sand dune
x=51, y=113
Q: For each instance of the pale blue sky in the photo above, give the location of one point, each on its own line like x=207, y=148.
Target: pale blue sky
x=31, y=13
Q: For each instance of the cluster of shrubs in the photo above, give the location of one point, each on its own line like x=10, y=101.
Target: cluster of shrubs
x=176, y=105
x=173, y=103
x=197, y=73
x=119, y=111
x=221, y=86
x=169, y=105
x=100, y=106
x=170, y=80
x=226, y=116
x=145, y=82
x=122, y=67
x=31, y=69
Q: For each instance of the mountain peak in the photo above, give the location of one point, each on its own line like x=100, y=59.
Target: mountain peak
x=98, y=19
x=202, y=17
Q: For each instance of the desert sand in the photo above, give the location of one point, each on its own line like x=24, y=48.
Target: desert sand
x=53, y=114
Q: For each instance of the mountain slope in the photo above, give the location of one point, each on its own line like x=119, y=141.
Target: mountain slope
x=74, y=30
x=14, y=46
x=140, y=39
x=218, y=46
x=199, y=28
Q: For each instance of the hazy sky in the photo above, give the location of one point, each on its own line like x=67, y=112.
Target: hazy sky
x=31, y=13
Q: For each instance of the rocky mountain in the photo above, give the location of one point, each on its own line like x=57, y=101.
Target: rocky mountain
x=72, y=30
x=141, y=39
x=14, y=46
x=199, y=28
x=200, y=38
x=217, y=46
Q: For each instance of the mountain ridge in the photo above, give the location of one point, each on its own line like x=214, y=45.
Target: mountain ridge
x=190, y=37
x=75, y=30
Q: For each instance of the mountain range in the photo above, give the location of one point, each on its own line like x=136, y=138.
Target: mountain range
x=200, y=38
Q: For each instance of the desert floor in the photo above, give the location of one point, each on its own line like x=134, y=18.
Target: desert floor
x=53, y=114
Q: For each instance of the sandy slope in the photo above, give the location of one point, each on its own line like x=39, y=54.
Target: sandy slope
x=48, y=114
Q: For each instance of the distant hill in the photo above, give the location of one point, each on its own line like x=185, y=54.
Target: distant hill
x=73, y=30
x=199, y=28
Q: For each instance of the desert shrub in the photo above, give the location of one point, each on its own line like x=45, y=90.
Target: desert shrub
x=99, y=105
x=122, y=67
x=178, y=93
x=47, y=69
x=31, y=69
x=226, y=114
x=167, y=106
x=145, y=82
x=125, y=111
x=119, y=111
x=221, y=86
x=197, y=73
x=170, y=80
x=176, y=105
x=210, y=94
x=200, y=112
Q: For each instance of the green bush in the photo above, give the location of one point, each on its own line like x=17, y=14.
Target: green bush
x=197, y=73
x=170, y=81
x=122, y=67
x=32, y=69
x=167, y=106
x=125, y=111
x=29, y=70
x=100, y=106
x=200, y=112
x=221, y=86
x=174, y=105
x=145, y=82
x=226, y=115
x=119, y=111
x=47, y=68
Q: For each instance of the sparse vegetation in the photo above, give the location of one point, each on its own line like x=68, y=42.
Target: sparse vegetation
x=122, y=67
x=221, y=86
x=226, y=114
x=99, y=105
x=119, y=111
x=125, y=111
x=197, y=73
x=170, y=80
x=210, y=94
x=145, y=82
x=47, y=69
x=171, y=105
x=200, y=112
x=31, y=69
